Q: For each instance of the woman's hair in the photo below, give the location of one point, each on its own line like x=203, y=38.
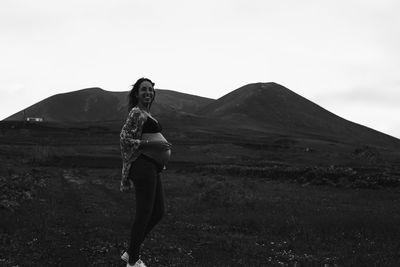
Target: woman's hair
x=133, y=101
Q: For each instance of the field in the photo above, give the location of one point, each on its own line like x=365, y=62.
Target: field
x=232, y=203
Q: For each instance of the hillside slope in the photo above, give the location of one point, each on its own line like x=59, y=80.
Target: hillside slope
x=275, y=107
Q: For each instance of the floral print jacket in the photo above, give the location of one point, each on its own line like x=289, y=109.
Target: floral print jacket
x=130, y=136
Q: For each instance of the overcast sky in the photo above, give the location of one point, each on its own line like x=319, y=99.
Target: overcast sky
x=343, y=55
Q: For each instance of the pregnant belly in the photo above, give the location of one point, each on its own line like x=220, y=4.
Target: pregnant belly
x=159, y=155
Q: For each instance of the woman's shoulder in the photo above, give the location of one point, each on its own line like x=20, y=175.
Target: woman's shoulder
x=137, y=112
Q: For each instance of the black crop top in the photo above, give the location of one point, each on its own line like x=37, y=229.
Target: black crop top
x=151, y=126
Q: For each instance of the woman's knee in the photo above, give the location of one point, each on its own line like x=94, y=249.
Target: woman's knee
x=161, y=212
x=143, y=215
x=158, y=213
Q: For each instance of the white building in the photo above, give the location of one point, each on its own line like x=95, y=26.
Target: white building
x=34, y=119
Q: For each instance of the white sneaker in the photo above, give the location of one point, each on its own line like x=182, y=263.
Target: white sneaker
x=125, y=257
x=139, y=263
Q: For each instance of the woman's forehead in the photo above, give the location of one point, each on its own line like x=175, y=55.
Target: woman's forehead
x=146, y=84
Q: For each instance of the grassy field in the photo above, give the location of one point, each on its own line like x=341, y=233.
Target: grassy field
x=77, y=217
x=61, y=206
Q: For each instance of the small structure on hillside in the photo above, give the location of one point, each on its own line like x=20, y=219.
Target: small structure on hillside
x=34, y=119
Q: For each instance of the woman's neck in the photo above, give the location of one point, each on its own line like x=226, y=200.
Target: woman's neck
x=143, y=107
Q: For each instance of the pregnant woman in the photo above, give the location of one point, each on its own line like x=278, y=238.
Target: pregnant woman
x=145, y=153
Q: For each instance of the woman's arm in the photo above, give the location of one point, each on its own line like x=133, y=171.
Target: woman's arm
x=132, y=130
x=130, y=141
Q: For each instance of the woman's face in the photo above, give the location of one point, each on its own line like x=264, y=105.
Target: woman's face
x=145, y=93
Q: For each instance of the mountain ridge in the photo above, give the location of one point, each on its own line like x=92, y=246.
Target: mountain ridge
x=276, y=106
x=267, y=107
x=88, y=105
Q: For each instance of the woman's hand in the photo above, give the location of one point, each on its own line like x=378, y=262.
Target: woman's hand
x=126, y=185
x=156, y=144
x=165, y=146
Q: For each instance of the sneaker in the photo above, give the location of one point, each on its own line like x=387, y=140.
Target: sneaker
x=125, y=257
x=139, y=263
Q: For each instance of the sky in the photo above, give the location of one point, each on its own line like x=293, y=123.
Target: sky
x=342, y=54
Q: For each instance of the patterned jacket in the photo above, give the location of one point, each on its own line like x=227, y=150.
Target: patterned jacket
x=130, y=136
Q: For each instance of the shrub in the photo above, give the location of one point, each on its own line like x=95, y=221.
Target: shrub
x=227, y=194
x=41, y=154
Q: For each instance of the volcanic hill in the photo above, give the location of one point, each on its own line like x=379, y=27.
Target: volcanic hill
x=98, y=105
x=275, y=107
x=259, y=107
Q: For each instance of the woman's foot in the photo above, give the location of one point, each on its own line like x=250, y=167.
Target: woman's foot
x=139, y=263
x=125, y=257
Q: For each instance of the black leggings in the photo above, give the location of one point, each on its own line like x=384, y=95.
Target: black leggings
x=149, y=202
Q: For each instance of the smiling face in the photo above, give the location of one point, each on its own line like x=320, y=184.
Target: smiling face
x=145, y=94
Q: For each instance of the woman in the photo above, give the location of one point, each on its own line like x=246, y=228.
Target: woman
x=145, y=153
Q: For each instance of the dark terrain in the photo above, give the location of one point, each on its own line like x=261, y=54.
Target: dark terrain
x=266, y=192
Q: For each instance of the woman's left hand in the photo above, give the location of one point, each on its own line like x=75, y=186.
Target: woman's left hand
x=125, y=186
x=166, y=146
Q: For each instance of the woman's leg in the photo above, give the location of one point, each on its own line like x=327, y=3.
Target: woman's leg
x=158, y=208
x=144, y=176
